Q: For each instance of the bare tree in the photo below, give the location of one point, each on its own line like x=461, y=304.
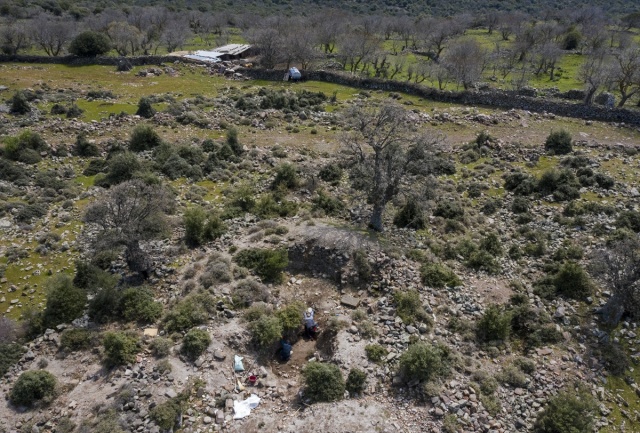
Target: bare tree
x=328, y=28
x=618, y=266
x=124, y=37
x=594, y=73
x=51, y=33
x=175, y=33
x=384, y=153
x=545, y=57
x=14, y=37
x=128, y=214
x=359, y=48
x=625, y=73
x=465, y=61
x=268, y=41
x=436, y=34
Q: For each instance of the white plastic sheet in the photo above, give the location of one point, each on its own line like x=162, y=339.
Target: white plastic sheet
x=243, y=408
x=237, y=363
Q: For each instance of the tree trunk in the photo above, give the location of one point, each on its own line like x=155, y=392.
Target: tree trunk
x=375, y=222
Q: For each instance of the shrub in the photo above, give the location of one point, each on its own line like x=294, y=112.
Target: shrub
x=201, y=227
x=512, y=375
x=520, y=183
x=104, y=306
x=189, y=312
x=361, y=264
x=375, y=352
x=232, y=141
x=10, y=354
x=494, y=325
x=119, y=349
x=248, y=291
x=289, y=317
x=424, y=362
x=74, y=111
x=166, y=415
x=19, y=104
x=25, y=147
x=449, y=210
x=160, y=347
x=520, y=205
x=572, y=281
x=65, y=302
x=137, y=304
x=286, y=176
x=491, y=244
x=266, y=331
x=267, y=264
x=122, y=167
x=323, y=382
x=195, y=343
x=143, y=137
x=89, y=44
x=75, y=339
x=409, y=306
x=329, y=204
x=410, y=216
x=437, y=276
x=33, y=386
x=84, y=147
x=558, y=143
x=145, y=109
x=356, y=381
x=567, y=412
x=331, y=173
x=91, y=278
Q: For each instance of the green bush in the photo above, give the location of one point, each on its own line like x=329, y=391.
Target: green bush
x=166, y=415
x=137, y=304
x=449, y=210
x=494, y=325
x=361, y=264
x=375, y=352
x=74, y=111
x=437, y=276
x=329, y=204
x=356, y=381
x=18, y=103
x=266, y=331
x=331, y=173
x=119, y=349
x=512, y=375
x=289, y=317
x=91, y=278
x=75, y=339
x=122, y=167
x=287, y=176
x=409, y=306
x=160, y=347
x=558, y=143
x=89, y=44
x=10, y=354
x=567, y=412
x=195, y=343
x=424, y=362
x=572, y=281
x=65, y=302
x=33, y=386
x=189, y=312
x=104, y=307
x=201, y=227
x=25, y=147
x=267, y=264
x=145, y=109
x=491, y=244
x=323, y=382
x=233, y=143
x=410, y=216
x=84, y=147
x=143, y=138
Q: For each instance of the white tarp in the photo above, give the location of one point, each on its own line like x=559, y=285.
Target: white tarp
x=243, y=408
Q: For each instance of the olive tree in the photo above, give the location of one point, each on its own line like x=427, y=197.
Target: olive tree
x=384, y=151
x=128, y=214
x=618, y=266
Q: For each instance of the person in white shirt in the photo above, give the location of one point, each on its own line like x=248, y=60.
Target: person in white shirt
x=310, y=325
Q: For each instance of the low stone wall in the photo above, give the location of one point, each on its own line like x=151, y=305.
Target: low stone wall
x=490, y=98
x=85, y=61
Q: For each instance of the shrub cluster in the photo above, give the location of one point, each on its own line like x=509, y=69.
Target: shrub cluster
x=425, y=362
x=189, y=312
x=323, y=382
x=267, y=264
x=494, y=325
x=409, y=306
x=33, y=386
x=119, y=348
x=562, y=184
x=201, y=227
x=195, y=343
x=356, y=381
x=569, y=412
x=410, y=216
x=558, y=142
x=25, y=147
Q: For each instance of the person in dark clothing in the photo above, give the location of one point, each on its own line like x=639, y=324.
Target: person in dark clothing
x=285, y=350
